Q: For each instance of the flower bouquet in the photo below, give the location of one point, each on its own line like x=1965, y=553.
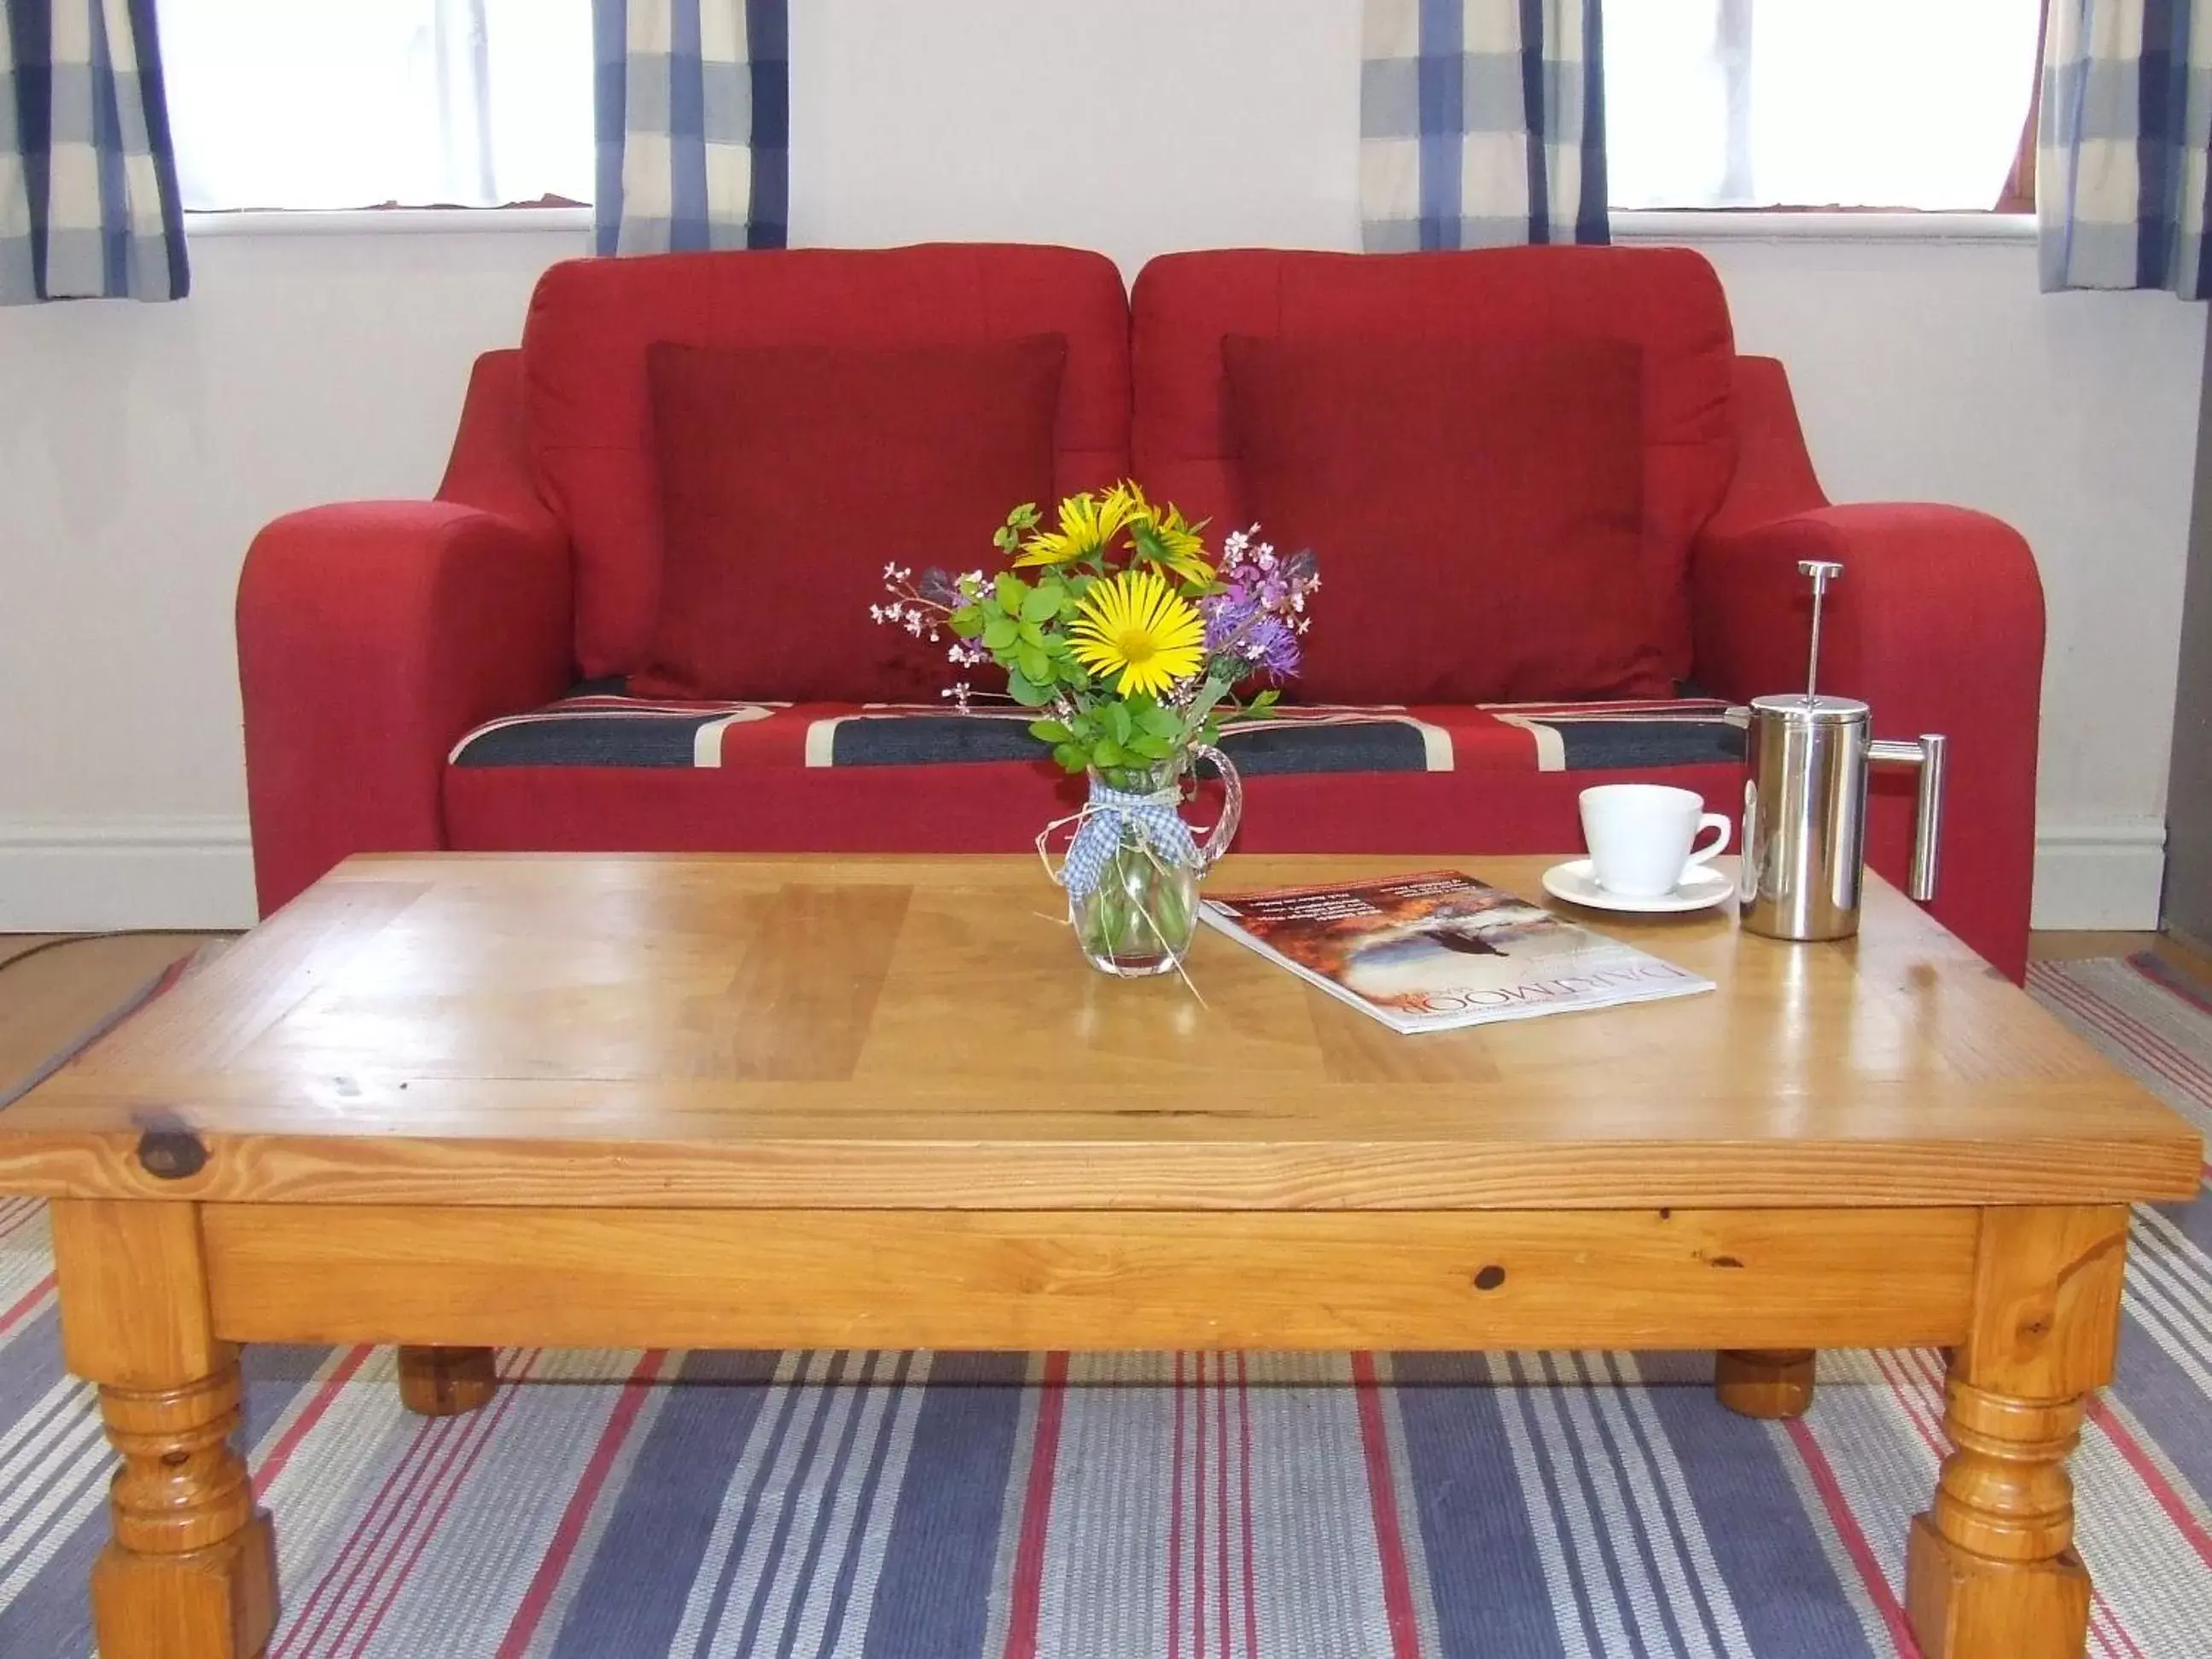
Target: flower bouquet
x=1133, y=647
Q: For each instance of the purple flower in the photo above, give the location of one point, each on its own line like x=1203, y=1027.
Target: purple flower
x=1227, y=617
x=1250, y=634
x=1254, y=621
x=1271, y=645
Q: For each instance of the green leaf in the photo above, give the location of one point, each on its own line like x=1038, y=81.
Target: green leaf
x=1049, y=732
x=1039, y=604
x=1264, y=700
x=1034, y=664
x=1107, y=752
x=1011, y=590
x=1072, y=757
x=1150, y=747
x=1031, y=635
x=1026, y=691
x=1000, y=633
x=1160, y=721
x=1119, y=721
x=966, y=622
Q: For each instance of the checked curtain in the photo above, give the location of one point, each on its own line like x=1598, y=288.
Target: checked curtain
x=694, y=124
x=88, y=203
x=1482, y=122
x=2124, y=145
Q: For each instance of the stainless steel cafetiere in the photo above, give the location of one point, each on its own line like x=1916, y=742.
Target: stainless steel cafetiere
x=1805, y=762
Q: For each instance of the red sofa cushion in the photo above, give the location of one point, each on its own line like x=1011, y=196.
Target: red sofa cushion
x=1666, y=300
x=589, y=415
x=1000, y=807
x=602, y=771
x=1476, y=509
x=789, y=475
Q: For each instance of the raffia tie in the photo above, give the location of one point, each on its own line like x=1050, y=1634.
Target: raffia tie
x=1107, y=818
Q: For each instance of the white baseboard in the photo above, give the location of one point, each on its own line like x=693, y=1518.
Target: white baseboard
x=80, y=875
x=2105, y=875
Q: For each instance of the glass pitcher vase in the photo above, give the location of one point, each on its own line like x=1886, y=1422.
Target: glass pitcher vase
x=1134, y=869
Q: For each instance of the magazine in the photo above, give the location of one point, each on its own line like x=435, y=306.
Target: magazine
x=1439, y=950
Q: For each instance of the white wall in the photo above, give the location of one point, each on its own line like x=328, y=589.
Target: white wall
x=140, y=449
x=1133, y=127
x=140, y=445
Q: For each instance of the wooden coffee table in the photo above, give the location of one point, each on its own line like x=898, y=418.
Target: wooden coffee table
x=759, y=1102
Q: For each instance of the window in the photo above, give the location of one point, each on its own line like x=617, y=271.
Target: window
x=1815, y=103
x=361, y=103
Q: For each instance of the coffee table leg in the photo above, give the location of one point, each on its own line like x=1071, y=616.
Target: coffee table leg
x=190, y=1570
x=446, y=1382
x=1991, y=1571
x=1764, y=1382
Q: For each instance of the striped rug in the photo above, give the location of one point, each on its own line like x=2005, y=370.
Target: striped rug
x=1145, y=1506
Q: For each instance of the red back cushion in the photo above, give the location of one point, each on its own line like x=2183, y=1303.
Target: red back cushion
x=790, y=475
x=1476, y=510
x=589, y=417
x=1666, y=301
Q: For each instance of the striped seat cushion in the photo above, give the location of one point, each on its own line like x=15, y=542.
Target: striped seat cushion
x=597, y=725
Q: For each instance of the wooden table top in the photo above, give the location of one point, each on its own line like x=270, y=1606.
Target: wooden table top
x=921, y=1032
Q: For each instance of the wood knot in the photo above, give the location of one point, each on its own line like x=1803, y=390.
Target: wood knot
x=172, y=1154
x=1490, y=1278
x=1723, y=1261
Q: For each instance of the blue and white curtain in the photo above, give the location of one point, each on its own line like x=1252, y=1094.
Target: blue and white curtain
x=2122, y=145
x=1482, y=122
x=694, y=124
x=88, y=203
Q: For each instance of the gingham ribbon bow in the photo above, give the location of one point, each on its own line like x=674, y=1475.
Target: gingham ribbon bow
x=1110, y=816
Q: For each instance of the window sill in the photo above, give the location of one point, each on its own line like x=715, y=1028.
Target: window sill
x=389, y=221
x=1678, y=226
x=1628, y=225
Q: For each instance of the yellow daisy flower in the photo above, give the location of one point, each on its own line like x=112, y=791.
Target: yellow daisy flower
x=1174, y=539
x=1179, y=543
x=1088, y=524
x=1135, y=626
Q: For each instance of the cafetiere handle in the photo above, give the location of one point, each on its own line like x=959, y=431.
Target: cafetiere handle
x=1927, y=754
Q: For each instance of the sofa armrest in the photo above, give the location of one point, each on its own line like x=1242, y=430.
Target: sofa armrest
x=1937, y=622
x=371, y=635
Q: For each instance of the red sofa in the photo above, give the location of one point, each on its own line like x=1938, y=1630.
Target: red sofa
x=411, y=671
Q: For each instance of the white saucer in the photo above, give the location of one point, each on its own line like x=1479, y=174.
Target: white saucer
x=1574, y=882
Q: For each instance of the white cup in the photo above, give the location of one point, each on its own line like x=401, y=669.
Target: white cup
x=1640, y=835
